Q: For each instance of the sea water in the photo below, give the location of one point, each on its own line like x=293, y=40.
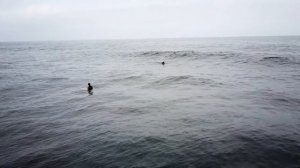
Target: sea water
x=217, y=102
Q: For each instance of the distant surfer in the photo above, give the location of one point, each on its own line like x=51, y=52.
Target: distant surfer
x=90, y=87
x=163, y=63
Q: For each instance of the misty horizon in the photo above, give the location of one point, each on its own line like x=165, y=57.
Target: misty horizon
x=156, y=38
x=132, y=19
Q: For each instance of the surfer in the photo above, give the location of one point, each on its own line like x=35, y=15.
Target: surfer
x=90, y=87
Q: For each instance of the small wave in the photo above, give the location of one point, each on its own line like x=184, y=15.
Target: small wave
x=152, y=53
x=275, y=58
x=5, y=67
x=53, y=79
x=186, y=79
x=171, y=80
x=279, y=100
x=189, y=54
x=128, y=78
x=287, y=101
x=147, y=53
x=279, y=60
x=128, y=111
x=171, y=54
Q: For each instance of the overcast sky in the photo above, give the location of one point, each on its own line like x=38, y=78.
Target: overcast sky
x=105, y=19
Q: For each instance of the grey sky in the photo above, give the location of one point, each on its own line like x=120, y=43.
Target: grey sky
x=105, y=19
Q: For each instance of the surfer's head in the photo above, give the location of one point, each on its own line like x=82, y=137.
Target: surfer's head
x=89, y=84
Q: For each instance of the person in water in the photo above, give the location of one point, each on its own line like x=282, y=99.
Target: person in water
x=163, y=63
x=90, y=87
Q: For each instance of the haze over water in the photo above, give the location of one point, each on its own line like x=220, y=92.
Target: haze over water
x=217, y=102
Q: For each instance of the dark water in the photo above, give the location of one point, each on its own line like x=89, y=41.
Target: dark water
x=217, y=102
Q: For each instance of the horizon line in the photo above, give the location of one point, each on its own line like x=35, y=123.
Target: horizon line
x=149, y=38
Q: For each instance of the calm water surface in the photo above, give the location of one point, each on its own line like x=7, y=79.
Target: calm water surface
x=217, y=102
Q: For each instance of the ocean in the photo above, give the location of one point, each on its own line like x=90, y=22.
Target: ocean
x=217, y=102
